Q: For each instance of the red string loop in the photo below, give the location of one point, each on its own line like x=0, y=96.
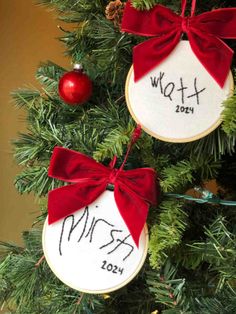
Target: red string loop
x=135, y=136
x=193, y=7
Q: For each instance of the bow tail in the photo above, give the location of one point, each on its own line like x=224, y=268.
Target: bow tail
x=133, y=210
x=66, y=200
x=213, y=53
x=147, y=55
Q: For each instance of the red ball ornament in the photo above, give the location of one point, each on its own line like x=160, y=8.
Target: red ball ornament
x=75, y=87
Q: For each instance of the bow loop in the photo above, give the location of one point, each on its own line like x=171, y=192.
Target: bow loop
x=72, y=166
x=220, y=23
x=134, y=190
x=155, y=22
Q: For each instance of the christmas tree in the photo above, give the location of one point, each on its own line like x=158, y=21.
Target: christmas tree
x=190, y=267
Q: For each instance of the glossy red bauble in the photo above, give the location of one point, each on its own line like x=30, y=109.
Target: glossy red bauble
x=75, y=87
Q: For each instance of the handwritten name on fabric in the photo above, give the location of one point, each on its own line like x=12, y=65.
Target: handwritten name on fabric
x=88, y=227
x=92, y=250
x=170, y=89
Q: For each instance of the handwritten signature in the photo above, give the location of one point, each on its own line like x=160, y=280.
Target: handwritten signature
x=167, y=89
x=114, y=239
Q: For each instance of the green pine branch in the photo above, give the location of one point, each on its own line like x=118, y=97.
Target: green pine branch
x=229, y=116
x=167, y=289
x=25, y=97
x=219, y=250
x=216, y=144
x=36, y=180
x=48, y=74
x=144, y=4
x=186, y=173
x=167, y=232
x=114, y=144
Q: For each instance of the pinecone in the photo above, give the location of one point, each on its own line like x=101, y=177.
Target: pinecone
x=114, y=12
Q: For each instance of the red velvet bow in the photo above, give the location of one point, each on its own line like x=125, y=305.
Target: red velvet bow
x=204, y=32
x=133, y=189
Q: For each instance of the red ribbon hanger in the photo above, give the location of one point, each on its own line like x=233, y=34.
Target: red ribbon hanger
x=204, y=32
x=134, y=189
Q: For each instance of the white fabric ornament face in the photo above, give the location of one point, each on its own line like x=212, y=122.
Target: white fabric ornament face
x=92, y=250
x=178, y=101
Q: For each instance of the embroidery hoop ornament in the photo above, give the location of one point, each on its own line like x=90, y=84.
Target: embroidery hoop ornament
x=156, y=116
x=77, y=168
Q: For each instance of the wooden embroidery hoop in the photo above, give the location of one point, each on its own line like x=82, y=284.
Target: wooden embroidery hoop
x=102, y=291
x=169, y=139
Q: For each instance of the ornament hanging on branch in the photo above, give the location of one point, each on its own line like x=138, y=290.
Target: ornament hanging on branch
x=175, y=87
x=75, y=87
x=95, y=239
